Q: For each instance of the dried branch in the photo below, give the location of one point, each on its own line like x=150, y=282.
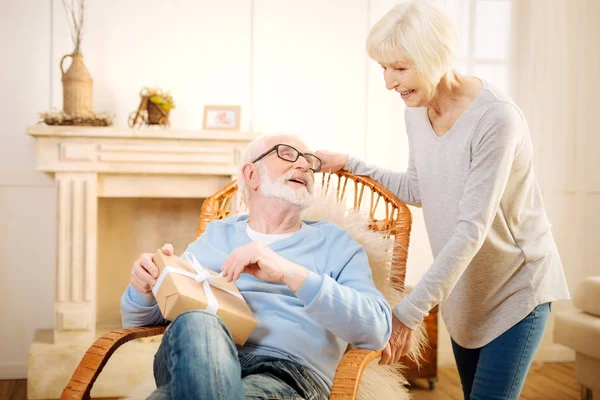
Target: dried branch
x=75, y=10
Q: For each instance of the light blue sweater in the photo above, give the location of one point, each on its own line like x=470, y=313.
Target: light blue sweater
x=338, y=303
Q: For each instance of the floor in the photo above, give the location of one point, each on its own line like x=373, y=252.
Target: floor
x=553, y=381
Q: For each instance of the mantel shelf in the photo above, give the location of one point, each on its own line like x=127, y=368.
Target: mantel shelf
x=43, y=130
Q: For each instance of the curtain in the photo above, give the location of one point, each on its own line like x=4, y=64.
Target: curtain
x=555, y=78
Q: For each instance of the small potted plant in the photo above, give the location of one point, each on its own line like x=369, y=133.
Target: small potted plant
x=159, y=105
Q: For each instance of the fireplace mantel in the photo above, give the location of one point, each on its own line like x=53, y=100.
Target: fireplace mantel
x=140, y=162
x=88, y=163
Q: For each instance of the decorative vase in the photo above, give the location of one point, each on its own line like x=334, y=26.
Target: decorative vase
x=77, y=87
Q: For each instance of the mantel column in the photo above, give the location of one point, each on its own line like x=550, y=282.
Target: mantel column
x=75, y=300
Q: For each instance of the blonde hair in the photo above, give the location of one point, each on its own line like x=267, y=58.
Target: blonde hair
x=423, y=33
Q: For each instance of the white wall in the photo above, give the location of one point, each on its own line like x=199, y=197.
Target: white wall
x=295, y=67
x=27, y=198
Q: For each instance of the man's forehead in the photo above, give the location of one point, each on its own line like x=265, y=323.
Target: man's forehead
x=289, y=140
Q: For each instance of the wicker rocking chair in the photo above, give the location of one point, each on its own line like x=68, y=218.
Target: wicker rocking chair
x=396, y=224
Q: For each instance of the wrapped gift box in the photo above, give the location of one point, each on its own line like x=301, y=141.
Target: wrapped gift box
x=178, y=291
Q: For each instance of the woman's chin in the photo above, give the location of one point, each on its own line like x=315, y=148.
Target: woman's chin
x=415, y=102
x=411, y=103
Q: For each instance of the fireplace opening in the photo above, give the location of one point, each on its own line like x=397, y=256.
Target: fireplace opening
x=128, y=227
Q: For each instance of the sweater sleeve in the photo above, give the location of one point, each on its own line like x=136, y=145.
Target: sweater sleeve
x=404, y=185
x=495, y=144
x=347, y=303
x=138, y=309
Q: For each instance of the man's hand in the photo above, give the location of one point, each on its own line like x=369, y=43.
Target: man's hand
x=259, y=260
x=144, y=272
x=399, y=343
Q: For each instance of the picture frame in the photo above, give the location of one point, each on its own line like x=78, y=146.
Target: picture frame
x=221, y=118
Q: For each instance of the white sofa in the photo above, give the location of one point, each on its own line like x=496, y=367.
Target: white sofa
x=580, y=331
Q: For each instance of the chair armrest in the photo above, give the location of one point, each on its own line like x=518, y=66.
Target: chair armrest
x=349, y=372
x=90, y=366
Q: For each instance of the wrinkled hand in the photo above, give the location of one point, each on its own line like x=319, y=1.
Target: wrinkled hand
x=259, y=260
x=332, y=162
x=144, y=272
x=399, y=343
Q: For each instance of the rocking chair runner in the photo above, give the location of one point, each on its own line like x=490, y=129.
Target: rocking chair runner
x=396, y=224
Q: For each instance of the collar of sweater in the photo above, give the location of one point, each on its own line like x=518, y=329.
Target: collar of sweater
x=242, y=237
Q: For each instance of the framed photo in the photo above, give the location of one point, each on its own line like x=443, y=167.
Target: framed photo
x=222, y=118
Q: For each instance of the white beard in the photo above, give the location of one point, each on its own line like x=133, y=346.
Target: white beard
x=279, y=189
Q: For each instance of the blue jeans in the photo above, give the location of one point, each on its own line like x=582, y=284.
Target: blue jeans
x=498, y=370
x=197, y=359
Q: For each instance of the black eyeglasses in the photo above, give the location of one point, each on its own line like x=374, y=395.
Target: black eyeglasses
x=290, y=154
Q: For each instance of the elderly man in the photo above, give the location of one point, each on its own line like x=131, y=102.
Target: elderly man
x=308, y=284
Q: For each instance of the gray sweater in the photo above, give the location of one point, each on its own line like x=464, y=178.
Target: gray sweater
x=495, y=258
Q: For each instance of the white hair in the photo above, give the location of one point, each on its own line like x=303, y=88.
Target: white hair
x=254, y=149
x=423, y=33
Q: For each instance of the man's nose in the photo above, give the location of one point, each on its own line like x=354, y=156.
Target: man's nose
x=302, y=163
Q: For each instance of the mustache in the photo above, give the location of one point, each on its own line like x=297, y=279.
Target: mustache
x=306, y=177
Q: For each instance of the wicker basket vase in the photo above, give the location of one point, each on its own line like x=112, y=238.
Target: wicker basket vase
x=156, y=114
x=77, y=87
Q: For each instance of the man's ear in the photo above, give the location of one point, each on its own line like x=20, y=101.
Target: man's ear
x=250, y=174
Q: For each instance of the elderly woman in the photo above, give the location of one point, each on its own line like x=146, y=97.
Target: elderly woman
x=496, y=267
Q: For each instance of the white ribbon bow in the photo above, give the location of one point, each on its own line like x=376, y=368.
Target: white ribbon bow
x=201, y=276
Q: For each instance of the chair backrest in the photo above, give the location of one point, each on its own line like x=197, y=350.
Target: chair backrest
x=396, y=223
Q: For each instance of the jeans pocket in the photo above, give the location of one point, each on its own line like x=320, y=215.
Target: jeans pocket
x=266, y=386
x=246, y=359
x=298, y=377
